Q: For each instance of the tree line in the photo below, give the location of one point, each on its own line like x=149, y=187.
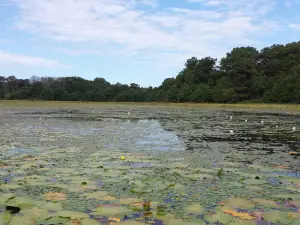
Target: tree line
x=244, y=75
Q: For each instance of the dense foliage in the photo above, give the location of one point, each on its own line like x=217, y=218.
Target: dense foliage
x=244, y=74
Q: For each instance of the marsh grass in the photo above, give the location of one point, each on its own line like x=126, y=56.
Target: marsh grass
x=69, y=104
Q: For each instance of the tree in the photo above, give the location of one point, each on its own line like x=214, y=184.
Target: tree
x=239, y=65
x=244, y=74
x=172, y=94
x=203, y=93
x=184, y=93
x=224, y=91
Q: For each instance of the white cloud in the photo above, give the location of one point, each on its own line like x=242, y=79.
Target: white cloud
x=245, y=6
x=152, y=3
x=4, y=41
x=295, y=26
x=12, y=59
x=128, y=23
x=290, y=3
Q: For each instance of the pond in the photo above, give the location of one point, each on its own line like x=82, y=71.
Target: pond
x=149, y=165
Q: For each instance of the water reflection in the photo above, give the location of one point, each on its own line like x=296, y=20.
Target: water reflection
x=145, y=135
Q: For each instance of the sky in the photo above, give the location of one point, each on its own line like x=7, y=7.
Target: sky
x=134, y=41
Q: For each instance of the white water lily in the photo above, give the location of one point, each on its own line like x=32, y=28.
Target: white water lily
x=294, y=128
x=231, y=131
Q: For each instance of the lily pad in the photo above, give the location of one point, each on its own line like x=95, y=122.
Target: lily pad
x=87, y=221
x=10, y=186
x=52, y=220
x=289, y=196
x=218, y=217
x=170, y=219
x=34, y=213
x=278, y=217
x=64, y=170
x=24, y=220
x=55, y=196
x=265, y=203
x=254, y=182
x=72, y=214
x=51, y=206
x=5, y=217
x=241, y=215
x=110, y=211
x=254, y=188
x=126, y=201
x=239, y=203
x=22, y=202
x=131, y=222
x=5, y=197
x=194, y=209
x=100, y=195
x=237, y=221
x=296, y=222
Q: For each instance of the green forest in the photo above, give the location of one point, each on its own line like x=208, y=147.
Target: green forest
x=271, y=75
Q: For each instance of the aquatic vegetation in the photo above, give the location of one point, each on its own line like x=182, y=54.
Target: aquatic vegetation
x=115, y=171
x=55, y=196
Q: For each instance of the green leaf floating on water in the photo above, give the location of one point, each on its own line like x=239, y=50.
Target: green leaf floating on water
x=197, y=176
x=57, y=185
x=52, y=220
x=87, y=222
x=21, y=220
x=296, y=222
x=100, y=195
x=4, y=173
x=254, y=182
x=218, y=217
x=109, y=211
x=265, y=203
x=239, y=203
x=220, y=173
x=289, y=196
x=170, y=219
x=10, y=186
x=279, y=217
x=5, y=217
x=237, y=221
x=5, y=197
x=149, y=185
x=22, y=202
x=126, y=201
x=253, y=188
x=194, y=209
x=131, y=222
x=51, y=206
x=141, y=190
x=34, y=213
x=64, y=170
x=72, y=214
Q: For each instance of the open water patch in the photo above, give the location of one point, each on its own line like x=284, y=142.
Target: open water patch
x=8, y=153
x=146, y=135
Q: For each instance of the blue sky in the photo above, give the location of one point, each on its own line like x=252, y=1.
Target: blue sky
x=141, y=41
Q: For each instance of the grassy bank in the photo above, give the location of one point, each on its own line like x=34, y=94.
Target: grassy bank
x=65, y=104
